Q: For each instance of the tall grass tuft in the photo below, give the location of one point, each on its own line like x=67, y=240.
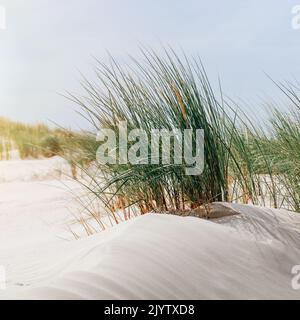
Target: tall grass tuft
x=168, y=92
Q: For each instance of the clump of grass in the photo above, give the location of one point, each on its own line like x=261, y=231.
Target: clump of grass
x=31, y=141
x=50, y=145
x=285, y=150
x=166, y=93
x=243, y=161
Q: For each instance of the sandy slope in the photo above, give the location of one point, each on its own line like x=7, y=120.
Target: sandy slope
x=150, y=257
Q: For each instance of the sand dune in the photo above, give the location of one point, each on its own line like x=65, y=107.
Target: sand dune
x=33, y=170
x=168, y=257
x=155, y=256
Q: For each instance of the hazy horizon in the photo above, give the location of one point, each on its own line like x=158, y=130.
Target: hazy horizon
x=46, y=44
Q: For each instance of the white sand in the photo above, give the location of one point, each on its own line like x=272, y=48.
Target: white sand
x=150, y=257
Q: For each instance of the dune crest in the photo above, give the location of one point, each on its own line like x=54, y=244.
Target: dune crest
x=159, y=256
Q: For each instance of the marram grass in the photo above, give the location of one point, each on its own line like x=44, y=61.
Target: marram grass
x=167, y=92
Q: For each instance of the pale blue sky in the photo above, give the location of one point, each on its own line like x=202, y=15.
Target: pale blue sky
x=47, y=41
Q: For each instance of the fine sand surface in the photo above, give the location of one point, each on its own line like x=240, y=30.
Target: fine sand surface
x=155, y=256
